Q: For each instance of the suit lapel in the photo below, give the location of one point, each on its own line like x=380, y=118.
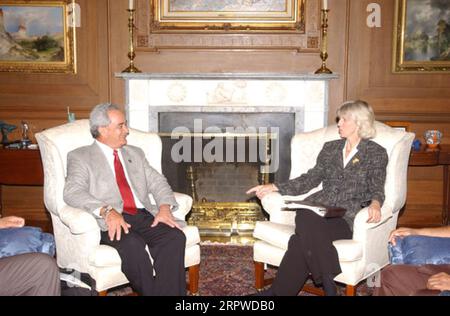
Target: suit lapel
x=130, y=164
x=339, y=156
x=128, y=160
x=360, y=155
x=98, y=160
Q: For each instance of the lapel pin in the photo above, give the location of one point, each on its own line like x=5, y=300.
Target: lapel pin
x=355, y=160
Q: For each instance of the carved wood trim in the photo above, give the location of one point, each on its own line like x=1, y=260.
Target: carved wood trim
x=151, y=36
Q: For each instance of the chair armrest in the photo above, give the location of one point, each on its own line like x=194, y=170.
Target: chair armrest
x=360, y=222
x=184, y=205
x=78, y=220
x=374, y=236
x=272, y=204
x=348, y=250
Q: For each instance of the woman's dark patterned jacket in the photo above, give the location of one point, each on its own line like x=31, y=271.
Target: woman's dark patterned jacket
x=362, y=180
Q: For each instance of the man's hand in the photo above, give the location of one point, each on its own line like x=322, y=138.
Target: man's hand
x=440, y=281
x=374, y=212
x=165, y=216
x=115, y=223
x=262, y=190
x=401, y=232
x=11, y=221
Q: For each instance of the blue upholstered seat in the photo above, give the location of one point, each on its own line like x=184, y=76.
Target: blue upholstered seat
x=419, y=250
x=16, y=241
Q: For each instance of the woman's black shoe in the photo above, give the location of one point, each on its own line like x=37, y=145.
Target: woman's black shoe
x=267, y=292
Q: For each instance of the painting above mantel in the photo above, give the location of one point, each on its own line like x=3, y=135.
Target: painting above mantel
x=230, y=24
x=229, y=15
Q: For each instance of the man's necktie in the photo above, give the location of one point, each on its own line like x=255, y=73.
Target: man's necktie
x=125, y=191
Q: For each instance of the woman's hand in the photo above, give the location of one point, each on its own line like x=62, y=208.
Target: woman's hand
x=401, y=232
x=262, y=190
x=374, y=212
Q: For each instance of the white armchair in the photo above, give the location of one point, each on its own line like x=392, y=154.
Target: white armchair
x=76, y=232
x=365, y=254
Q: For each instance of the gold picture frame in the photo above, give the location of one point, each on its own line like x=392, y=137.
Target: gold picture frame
x=229, y=15
x=421, y=36
x=36, y=37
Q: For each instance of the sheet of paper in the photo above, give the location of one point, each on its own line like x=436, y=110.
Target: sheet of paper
x=316, y=209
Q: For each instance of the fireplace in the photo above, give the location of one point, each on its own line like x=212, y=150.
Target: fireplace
x=212, y=110
x=216, y=159
x=217, y=168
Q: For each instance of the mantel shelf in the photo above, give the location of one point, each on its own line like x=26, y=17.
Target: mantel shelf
x=227, y=76
x=148, y=95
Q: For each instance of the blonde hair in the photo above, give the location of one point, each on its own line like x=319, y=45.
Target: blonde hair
x=362, y=113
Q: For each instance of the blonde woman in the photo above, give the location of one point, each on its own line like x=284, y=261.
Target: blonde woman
x=352, y=171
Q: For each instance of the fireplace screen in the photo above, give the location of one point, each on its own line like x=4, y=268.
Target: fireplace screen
x=221, y=206
x=218, y=181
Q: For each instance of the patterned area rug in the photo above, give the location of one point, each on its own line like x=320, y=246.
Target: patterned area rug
x=227, y=270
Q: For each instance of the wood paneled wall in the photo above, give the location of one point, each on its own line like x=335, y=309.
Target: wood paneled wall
x=42, y=99
x=422, y=99
x=359, y=54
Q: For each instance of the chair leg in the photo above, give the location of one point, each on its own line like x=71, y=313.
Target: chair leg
x=102, y=293
x=259, y=275
x=350, y=290
x=313, y=290
x=194, y=272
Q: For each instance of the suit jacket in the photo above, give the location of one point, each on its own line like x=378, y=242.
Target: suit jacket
x=90, y=182
x=362, y=180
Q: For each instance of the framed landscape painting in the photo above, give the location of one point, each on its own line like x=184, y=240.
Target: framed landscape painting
x=422, y=36
x=35, y=37
x=226, y=15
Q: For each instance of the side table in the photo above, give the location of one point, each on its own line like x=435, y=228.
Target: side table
x=21, y=167
x=436, y=157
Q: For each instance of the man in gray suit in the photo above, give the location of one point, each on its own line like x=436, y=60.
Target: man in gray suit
x=112, y=181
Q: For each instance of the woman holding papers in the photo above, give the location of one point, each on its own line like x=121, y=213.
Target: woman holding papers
x=352, y=171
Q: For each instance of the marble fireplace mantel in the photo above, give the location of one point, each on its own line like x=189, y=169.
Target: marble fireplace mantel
x=304, y=95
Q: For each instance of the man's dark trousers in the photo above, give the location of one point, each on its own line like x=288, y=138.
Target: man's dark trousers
x=167, y=247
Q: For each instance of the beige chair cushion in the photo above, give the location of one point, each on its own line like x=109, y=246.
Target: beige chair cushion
x=348, y=249
x=274, y=233
x=106, y=256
